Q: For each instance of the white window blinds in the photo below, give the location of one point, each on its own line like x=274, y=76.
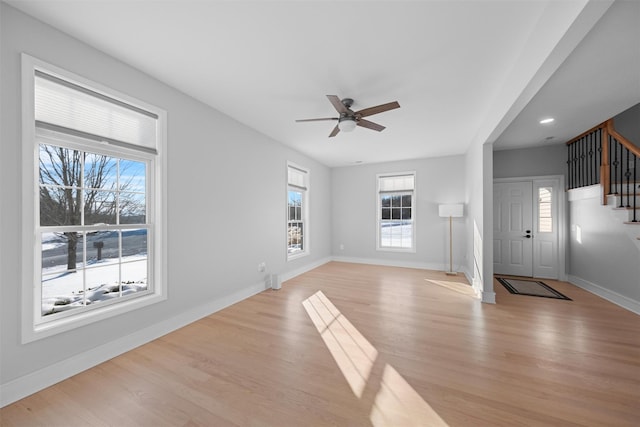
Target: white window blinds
x=64, y=106
x=297, y=177
x=397, y=183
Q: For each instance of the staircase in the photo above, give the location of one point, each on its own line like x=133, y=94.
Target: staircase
x=628, y=215
x=603, y=156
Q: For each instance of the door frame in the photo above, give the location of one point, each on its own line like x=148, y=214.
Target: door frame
x=562, y=216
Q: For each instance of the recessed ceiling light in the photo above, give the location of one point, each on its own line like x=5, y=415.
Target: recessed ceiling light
x=547, y=121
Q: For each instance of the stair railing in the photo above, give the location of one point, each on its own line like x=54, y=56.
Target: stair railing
x=602, y=156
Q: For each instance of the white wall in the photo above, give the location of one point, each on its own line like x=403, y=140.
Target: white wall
x=215, y=165
x=603, y=253
x=479, y=221
x=438, y=180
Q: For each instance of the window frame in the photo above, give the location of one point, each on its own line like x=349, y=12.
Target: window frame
x=379, y=193
x=34, y=325
x=305, y=190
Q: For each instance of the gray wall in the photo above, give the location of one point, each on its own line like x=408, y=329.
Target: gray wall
x=213, y=162
x=604, y=254
x=538, y=161
x=438, y=180
x=627, y=124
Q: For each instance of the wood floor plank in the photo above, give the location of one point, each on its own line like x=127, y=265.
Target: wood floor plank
x=423, y=351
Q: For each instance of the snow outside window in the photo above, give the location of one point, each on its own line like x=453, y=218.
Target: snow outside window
x=297, y=211
x=93, y=157
x=396, y=210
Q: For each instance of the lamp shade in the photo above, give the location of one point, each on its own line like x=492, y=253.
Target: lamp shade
x=346, y=124
x=451, y=210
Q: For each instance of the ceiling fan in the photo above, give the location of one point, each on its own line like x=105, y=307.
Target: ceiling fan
x=349, y=119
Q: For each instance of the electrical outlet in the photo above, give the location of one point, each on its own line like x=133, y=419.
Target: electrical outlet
x=262, y=267
x=341, y=246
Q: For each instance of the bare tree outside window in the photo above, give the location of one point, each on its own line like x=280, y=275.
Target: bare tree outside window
x=78, y=188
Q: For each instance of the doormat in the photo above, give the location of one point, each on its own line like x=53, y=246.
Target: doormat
x=532, y=288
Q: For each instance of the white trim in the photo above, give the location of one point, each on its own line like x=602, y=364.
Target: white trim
x=306, y=212
x=562, y=216
x=611, y=296
x=35, y=381
x=396, y=263
x=414, y=211
x=32, y=328
x=305, y=268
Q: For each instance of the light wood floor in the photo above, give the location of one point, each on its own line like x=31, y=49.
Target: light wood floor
x=377, y=346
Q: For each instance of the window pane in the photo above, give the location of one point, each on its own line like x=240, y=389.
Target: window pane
x=406, y=213
x=103, y=282
x=294, y=243
x=385, y=234
x=406, y=201
x=132, y=208
x=134, y=244
x=385, y=201
x=134, y=276
x=102, y=246
x=59, y=206
x=61, y=278
x=99, y=207
x=386, y=213
x=60, y=166
x=545, y=216
x=63, y=251
x=395, y=213
x=132, y=176
x=100, y=172
x=395, y=201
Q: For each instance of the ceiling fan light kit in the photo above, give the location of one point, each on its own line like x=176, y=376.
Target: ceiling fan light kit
x=347, y=124
x=349, y=119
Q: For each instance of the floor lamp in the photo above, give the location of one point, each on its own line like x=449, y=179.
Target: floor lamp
x=451, y=211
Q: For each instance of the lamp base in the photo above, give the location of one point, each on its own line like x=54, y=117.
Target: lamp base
x=452, y=273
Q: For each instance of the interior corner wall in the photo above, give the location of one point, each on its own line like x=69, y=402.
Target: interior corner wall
x=354, y=213
x=226, y=200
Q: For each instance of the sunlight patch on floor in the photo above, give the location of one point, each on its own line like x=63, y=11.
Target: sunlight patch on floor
x=396, y=403
x=352, y=352
x=461, y=288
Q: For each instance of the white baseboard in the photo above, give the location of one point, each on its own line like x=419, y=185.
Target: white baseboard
x=391, y=263
x=614, y=297
x=308, y=267
x=35, y=381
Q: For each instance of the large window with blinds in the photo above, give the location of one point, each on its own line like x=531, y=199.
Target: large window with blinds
x=396, y=211
x=93, y=161
x=297, y=211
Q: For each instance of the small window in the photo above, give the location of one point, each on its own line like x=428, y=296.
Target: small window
x=545, y=216
x=297, y=211
x=396, y=211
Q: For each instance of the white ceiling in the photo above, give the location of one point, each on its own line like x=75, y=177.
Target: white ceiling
x=461, y=70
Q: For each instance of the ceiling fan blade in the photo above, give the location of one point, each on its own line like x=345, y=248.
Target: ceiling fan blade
x=378, y=109
x=370, y=125
x=337, y=104
x=334, y=132
x=317, y=120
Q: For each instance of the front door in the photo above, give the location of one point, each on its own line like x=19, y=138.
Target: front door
x=512, y=228
x=526, y=228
